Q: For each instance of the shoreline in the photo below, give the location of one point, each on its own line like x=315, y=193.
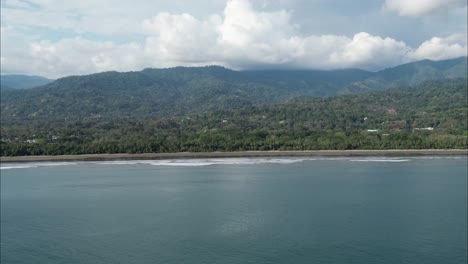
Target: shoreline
x=239, y=154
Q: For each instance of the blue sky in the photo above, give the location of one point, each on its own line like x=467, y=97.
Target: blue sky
x=55, y=38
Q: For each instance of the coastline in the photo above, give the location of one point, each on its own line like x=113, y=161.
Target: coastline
x=238, y=154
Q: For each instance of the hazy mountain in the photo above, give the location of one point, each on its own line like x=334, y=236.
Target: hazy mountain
x=15, y=82
x=410, y=74
x=154, y=93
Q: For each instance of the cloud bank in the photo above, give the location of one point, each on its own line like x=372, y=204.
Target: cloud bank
x=239, y=38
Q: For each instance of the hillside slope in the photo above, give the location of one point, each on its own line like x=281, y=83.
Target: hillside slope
x=410, y=74
x=154, y=93
x=431, y=115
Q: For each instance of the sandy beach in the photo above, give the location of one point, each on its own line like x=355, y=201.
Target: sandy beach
x=181, y=155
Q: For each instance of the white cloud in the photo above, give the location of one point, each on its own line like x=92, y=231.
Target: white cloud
x=441, y=48
x=239, y=38
x=246, y=36
x=367, y=51
x=422, y=7
x=67, y=56
x=103, y=17
x=243, y=26
x=179, y=39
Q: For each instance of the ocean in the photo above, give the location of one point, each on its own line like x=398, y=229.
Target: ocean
x=238, y=210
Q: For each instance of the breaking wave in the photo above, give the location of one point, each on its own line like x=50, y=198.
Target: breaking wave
x=28, y=165
x=207, y=162
x=218, y=161
x=380, y=160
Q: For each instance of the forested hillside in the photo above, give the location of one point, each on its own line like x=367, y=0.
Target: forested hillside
x=156, y=93
x=429, y=115
x=410, y=74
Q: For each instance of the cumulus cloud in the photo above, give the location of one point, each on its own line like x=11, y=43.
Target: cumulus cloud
x=242, y=25
x=30, y=55
x=243, y=37
x=179, y=39
x=240, y=38
x=422, y=7
x=67, y=55
x=441, y=48
x=367, y=51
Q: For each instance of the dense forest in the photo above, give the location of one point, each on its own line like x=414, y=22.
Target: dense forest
x=158, y=93
x=426, y=116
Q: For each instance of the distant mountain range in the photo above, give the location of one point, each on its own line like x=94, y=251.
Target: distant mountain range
x=16, y=82
x=155, y=93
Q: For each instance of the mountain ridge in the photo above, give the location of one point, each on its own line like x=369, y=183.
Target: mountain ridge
x=155, y=93
x=21, y=81
x=432, y=115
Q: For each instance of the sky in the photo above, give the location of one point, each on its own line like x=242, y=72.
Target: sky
x=56, y=38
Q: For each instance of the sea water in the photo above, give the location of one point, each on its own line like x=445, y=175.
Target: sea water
x=242, y=210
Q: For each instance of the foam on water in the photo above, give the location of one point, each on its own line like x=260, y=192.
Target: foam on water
x=207, y=162
x=10, y=166
x=169, y=162
x=16, y=167
x=438, y=157
x=220, y=161
x=380, y=160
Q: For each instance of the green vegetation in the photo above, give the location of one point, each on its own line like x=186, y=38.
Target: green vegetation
x=430, y=115
x=158, y=93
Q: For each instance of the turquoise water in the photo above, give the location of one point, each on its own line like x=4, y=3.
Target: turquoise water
x=341, y=210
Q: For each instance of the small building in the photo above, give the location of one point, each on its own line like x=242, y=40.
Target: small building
x=424, y=128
